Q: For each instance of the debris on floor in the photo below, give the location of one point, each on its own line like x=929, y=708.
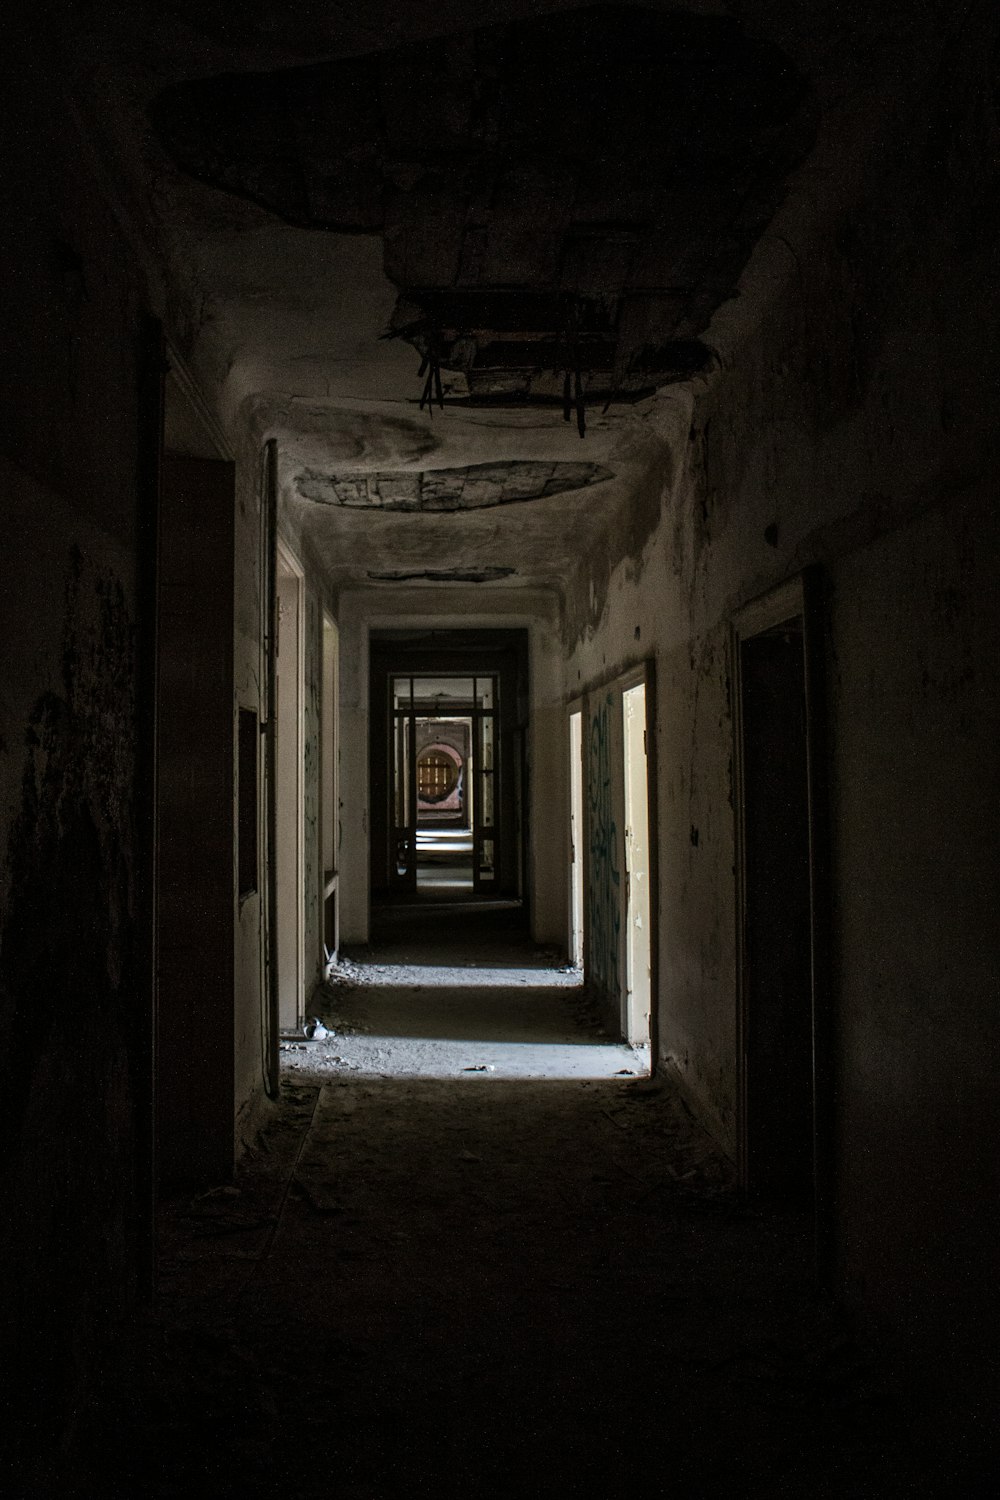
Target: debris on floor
x=593, y=1310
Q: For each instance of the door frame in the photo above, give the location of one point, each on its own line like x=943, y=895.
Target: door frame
x=402, y=724
x=629, y=985
x=798, y=598
x=461, y=651
x=576, y=846
x=329, y=791
x=288, y=564
x=642, y=673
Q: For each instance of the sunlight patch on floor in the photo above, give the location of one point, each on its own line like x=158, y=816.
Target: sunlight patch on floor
x=423, y=1020
x=376, y=1056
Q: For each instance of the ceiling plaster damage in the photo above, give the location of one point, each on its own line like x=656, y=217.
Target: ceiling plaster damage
x=445, y=575
x=562, y=202
x=475, y=487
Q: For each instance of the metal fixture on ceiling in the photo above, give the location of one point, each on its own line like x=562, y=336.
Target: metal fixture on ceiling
x=563, y=225
x=517, y=347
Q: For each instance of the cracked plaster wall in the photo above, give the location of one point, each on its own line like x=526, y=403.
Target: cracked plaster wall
x=851, y=423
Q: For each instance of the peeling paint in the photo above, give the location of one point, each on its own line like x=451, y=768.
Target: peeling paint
x=604, y=898
x=68, y=1011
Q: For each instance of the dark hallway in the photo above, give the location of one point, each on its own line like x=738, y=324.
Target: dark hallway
x=498, y=727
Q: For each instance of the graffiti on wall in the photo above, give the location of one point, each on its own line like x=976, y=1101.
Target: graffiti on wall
x=604, y=885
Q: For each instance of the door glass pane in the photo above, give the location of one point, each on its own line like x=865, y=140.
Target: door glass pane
x=440, y=696
x=488, y=777
x=402, y=692
x=401, y=795
x=484, y=692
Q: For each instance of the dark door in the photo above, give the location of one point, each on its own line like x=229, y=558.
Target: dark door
x=777, y=937
x=195, y=821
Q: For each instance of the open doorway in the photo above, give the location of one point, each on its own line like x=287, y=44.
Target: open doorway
x=329, y=797
x=576, y=835
x=638, y=947
x=288, y=789
x=446, y=722
x=444, y=783
x=781, y=924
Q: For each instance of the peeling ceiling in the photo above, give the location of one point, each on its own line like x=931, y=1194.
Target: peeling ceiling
x=563, y=201
x=472, y=487
x=452, y=267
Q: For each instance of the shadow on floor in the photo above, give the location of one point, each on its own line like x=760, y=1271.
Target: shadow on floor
x=518, y=1290
x=436, y=929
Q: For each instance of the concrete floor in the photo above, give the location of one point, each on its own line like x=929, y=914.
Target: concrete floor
x=433, y=1282
x=458, y=991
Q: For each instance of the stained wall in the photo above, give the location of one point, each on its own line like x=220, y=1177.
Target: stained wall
x=849, y=423
x=74, y=1015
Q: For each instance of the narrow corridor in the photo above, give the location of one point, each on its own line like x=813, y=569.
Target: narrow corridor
x=488, y=1285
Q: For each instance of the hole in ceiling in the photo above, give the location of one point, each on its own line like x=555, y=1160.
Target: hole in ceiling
x=563, y=200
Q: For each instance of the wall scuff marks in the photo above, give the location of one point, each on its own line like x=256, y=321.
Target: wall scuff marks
x=604, y=894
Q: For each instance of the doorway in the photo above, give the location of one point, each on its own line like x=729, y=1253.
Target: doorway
x=329, y=798
x=288, y=789
x=576, y=942
x=445, y=777
x=447, y=715
x=638, y=950
x=200, y=849
x=780, y=1010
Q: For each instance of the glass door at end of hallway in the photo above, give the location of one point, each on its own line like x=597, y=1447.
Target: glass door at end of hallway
x=443, y=756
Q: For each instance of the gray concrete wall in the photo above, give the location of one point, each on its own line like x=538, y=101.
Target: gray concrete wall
x=850, y=422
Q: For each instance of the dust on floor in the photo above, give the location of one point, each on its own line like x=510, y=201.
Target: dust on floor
x=497, y=1284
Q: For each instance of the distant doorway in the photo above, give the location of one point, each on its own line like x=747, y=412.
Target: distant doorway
x=445, y=818
x=445, y=775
